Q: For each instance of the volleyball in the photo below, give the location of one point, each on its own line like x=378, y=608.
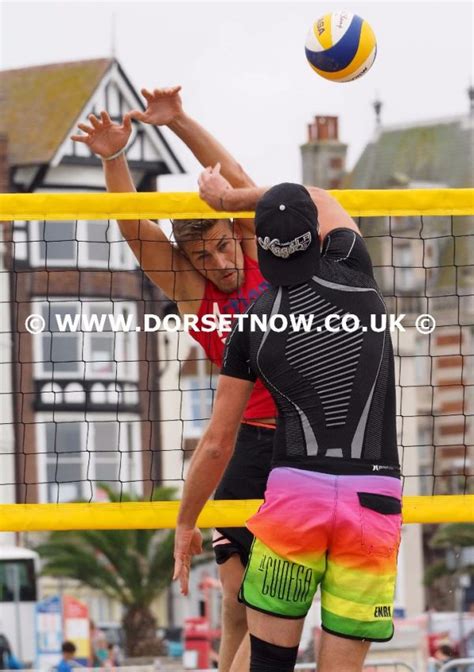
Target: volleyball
x=341, y=46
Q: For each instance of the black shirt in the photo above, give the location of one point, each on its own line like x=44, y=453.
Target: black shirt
x=335, y=391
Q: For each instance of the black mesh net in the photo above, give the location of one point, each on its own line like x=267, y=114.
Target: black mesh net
x=96, y=398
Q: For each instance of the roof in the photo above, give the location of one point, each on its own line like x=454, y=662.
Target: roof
x=437, y=152
x=16, y=553
x=39, y=105
x=425, y=154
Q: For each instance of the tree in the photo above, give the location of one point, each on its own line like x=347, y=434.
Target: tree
x=452, y=538
x=131, y=566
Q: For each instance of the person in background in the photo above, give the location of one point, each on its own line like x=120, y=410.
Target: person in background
x=444, y=654
x=101, y=650
x=8, y=661
x=110, y=662
x=68, y=662
x=98, y=644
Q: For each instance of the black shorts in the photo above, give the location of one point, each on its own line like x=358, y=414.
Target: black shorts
x=245, y=478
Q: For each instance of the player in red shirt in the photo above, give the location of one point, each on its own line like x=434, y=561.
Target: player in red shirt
x=212, y=270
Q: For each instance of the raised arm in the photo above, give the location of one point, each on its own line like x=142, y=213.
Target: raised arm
x=165, y=108
x=159, y=259
x=221, y=196
x=331, y=214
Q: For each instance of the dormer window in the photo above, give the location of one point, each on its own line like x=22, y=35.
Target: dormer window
x=79, y=244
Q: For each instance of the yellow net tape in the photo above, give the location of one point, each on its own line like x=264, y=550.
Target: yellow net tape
x=364, y=203
x=223, y=513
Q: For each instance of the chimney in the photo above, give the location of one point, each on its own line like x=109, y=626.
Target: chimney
x=324, y=155
x=323, y=128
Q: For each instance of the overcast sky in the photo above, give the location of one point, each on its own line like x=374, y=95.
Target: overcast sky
x=243, y=69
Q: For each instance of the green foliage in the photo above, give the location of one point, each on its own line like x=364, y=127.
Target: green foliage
x=131, y=566
x=451, y=535
x=454, y=537
x=435, y=571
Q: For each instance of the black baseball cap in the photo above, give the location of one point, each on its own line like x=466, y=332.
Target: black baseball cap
x=286, y=225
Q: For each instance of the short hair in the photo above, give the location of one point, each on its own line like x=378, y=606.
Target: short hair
x=185, y=230
x=446, y=650
x=68, y=647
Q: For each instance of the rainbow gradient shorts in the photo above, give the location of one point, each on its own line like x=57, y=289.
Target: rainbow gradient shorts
x=340, y=532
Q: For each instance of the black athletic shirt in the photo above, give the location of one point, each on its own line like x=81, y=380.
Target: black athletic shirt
x=335, y=392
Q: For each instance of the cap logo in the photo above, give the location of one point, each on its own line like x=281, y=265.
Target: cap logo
x=284, y=250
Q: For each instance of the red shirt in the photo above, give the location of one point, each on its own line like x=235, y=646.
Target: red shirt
x=215, y=302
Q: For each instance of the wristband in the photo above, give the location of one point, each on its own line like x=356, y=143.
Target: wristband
x=121, y=151
x=114, y=156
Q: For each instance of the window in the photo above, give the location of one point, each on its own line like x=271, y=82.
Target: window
x=101, y=354
x=64, y=461
x=79, y=244
x=105, y=466
x=76, y=457
x=198, y=397
x=56, y=242
x=96, y=351
x=19, y=573
x=20, y=241
x=94, y=247
x=101, y=347
x=60, y=352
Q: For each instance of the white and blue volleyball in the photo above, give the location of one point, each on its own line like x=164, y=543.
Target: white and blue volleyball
x=341, y=46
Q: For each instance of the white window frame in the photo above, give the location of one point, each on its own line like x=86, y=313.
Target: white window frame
x=35, y=246
x=84, y=260
x=84, y=368
x=114, y=238
x=88, y=461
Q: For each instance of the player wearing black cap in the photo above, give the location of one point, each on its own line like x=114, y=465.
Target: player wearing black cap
x=332, y=508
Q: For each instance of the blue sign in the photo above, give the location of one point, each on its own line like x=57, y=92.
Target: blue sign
x=49, y=632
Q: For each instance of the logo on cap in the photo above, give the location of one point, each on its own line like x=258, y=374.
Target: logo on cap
x=284, y=250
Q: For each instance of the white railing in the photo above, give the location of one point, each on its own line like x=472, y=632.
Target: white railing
x=458, y=665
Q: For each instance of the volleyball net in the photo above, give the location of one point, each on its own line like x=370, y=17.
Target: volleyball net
x=103, y=392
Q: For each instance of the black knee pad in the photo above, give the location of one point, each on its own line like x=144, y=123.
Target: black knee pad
x=266, y=657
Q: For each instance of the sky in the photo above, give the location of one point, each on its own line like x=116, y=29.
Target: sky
x=243, y=68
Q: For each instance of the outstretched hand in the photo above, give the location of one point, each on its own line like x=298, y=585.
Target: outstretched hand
x=212, y=187
x=104, y=137
x=187, y=542
x=163, y=106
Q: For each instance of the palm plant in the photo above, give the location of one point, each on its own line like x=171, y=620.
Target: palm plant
x=131, y=566
x=450, y=538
